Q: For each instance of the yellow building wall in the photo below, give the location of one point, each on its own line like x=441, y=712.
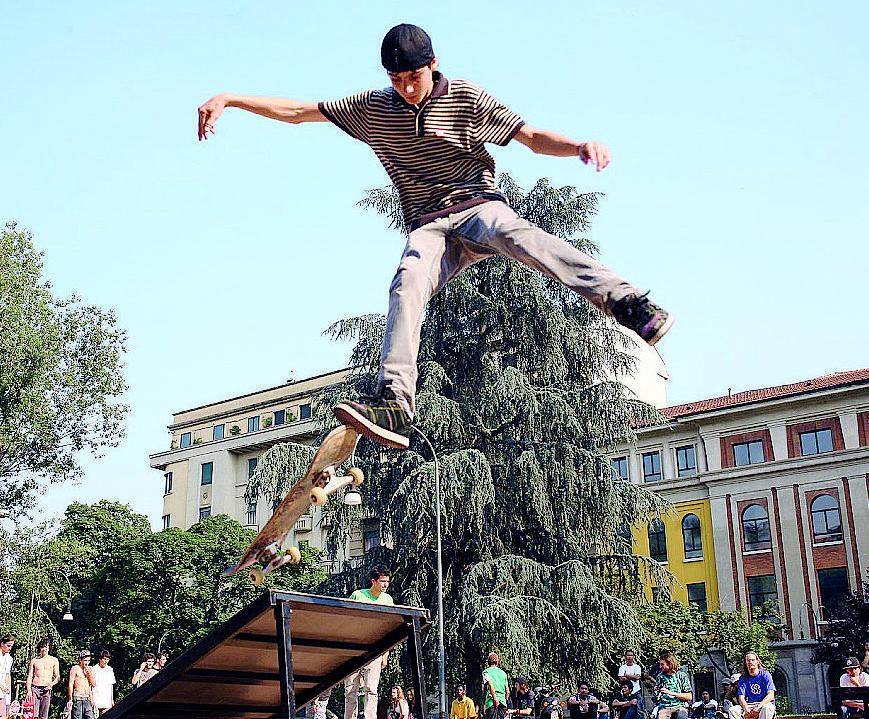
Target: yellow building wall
x=684, y=571
x=175, y=504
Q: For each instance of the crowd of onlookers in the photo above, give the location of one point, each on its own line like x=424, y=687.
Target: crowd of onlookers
x=90, y=688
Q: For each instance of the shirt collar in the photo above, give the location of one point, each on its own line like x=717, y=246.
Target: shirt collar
x=441, y=88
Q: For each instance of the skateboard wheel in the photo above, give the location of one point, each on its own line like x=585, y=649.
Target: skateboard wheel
x=256, y=576
x=318, y=496
x=294, y=556
x=356, y=474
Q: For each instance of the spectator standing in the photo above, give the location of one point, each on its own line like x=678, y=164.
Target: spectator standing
x=523, y=699
x=755, y=693
x=398, y=707
x=161, y=661
x=6, y=644
x=145, y=671
x=104, y=683
x=706, y=708
x=854, y=676
x=583, y=704
x=627, y=704
x=462, y=706
x=631, y=671
x=672, y=689
x=368, y=677
x=494, y=688
x=42, y=674
x=79, y=688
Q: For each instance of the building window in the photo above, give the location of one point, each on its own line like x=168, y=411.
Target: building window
x=167, y=483
x=218, y=431
x=305, y=411
x=651, y=466
x=166, y=521
x=686, y=461
x=816, y=442
x=252, y=424
x=251, y=513
x=833, y=588
x=251, y=466
x=755, y=528
x=185, y=439
x=280, y=416
x=620, y=467
x=745, y=453
x=826, y=519
x=370, y=538
x=691, y=537
x=207, y=474
x=657, y=541
x=697, y=596
x=204, y=512
x=762, y=591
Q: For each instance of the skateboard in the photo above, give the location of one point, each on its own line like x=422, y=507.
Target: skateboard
x=319, y=482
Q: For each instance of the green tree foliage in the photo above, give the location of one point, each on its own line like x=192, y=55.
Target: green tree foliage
x=133, y=589
x=847, y=634
x=60, y=377
x=692, y=634
x=518, y=394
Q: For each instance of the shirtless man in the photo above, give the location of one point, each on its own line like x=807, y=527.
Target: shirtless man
x=78, y=690
x=42, y=675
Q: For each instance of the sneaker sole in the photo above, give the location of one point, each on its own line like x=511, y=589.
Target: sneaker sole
x=664, y=329
x=349, y=416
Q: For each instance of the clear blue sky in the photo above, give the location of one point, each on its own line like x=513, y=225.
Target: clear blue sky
x=737, y=191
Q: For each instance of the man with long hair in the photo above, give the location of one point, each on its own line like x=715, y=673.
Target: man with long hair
x=42, y=674
x=755, y=693
x=672, y=689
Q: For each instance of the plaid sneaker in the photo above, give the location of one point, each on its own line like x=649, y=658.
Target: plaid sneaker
x=642, y=316
x=381, y=418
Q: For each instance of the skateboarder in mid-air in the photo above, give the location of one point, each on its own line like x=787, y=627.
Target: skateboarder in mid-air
x=430, y=134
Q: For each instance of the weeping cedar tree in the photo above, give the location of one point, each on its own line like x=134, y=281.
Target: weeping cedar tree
x=517, y=394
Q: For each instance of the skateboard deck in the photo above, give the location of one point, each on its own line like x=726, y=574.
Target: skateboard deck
x=314, y=487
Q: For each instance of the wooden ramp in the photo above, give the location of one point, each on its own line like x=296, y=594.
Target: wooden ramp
x=275, y=656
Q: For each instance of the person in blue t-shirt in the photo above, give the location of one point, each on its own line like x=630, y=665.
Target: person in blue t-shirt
x=755, y=694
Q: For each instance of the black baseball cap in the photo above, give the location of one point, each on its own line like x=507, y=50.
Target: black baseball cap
x=406, y=47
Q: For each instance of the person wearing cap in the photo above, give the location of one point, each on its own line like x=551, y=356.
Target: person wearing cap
x=463, y=706
x=728, y=692
x=854, y=676
x=755, y=691
x=523, y=699
x=79, y=689
x=430, y=132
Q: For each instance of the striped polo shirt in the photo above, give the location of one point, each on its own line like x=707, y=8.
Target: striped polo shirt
x=434, y=153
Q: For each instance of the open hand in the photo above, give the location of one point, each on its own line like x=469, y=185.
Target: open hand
x=209, y=111
x=594, y=153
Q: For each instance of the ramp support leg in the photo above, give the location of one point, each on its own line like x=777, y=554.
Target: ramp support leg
x=283, y=616
x=414, y=646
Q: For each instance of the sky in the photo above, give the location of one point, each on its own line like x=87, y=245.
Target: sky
x=737, y=191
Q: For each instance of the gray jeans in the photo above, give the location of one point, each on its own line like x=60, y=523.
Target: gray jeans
x=438, y=251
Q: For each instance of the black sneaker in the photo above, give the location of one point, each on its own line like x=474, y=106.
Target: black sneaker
x=642, y=316
x=381, y=418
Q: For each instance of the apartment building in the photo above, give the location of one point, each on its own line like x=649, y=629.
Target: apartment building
x=770, y=489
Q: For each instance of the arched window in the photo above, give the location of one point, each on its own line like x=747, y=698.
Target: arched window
x=691, y=537
x=755, y=528
x=826, y=519
x=657, y=541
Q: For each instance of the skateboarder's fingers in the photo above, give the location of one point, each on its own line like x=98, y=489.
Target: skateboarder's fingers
x=603, y=157
x=201, y=128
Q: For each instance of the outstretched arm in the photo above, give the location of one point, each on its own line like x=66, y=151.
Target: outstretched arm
x=544, y=142
x=276, y=108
